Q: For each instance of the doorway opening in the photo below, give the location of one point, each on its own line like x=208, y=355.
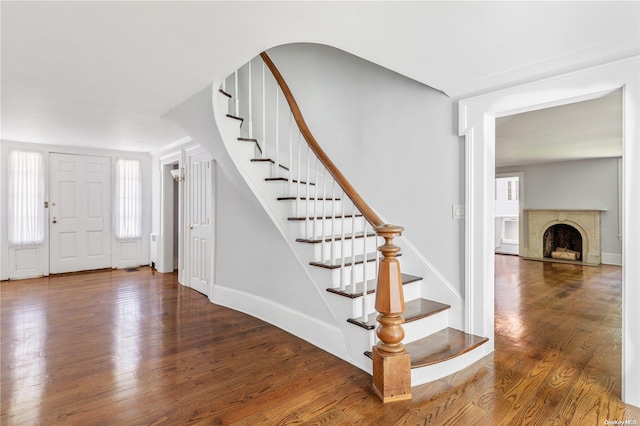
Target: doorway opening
x=170, y=247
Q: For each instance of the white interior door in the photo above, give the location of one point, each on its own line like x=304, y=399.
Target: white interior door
x=199, y=182
x=79, y=213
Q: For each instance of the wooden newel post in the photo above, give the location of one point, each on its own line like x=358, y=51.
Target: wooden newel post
x=391, y=364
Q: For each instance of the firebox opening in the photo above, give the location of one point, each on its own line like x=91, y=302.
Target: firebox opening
x=562, y=241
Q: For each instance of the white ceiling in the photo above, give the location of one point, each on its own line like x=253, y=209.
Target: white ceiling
x=589, y=129
x=103, y=74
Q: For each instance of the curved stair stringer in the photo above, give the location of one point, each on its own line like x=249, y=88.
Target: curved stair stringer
x=436, y=348
x=348, y=342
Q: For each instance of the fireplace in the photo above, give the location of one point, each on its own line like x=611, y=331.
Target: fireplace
x=562, y=241
x=562, y=236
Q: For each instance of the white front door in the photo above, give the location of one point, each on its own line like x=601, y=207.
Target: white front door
x=199, y=180
x=79, y=213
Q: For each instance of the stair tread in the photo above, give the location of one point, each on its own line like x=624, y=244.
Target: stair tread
x=414, y=310
x=334, y=238
x=337, y=263
x=371, y=286
x=268, y=160
x=228, y=95
x=422, y=308
x=284, y=179
x=251, y=140
x=441, y=346
x=235, y=117
x=321, y=217
x=305, y=198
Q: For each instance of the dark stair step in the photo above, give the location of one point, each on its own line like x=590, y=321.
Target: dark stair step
x=414, y=310
x=325, y=217
x=228, y=95
x=441, y=346
x=284, y=179
x=269, y=160
x=251, y=140
x=371, y=287
x=236, y=118
x=305, y=199
x=334, y=238
x=337, y=263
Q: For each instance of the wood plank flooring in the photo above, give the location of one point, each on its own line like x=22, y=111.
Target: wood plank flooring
x=136, y=348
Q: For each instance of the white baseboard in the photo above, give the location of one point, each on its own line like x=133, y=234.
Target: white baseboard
x=319, y=333
x=611, y=259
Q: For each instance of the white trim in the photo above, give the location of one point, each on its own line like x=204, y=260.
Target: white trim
x=612, y=259
x=477, y=116
x=325, y=336
x=176, y=144
x=565, y=63
x=164, y=239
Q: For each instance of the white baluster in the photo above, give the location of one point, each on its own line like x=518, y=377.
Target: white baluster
x=298, y=195
x=276, y=165
x=236, y=98
x=315, y=203
x=353, y=248
x=323, y=234
x=332, y=253
x=364, y=272
x=290, y=153
x=250, y=103
x=264, y=112
x=307, y=210
x=343, y=278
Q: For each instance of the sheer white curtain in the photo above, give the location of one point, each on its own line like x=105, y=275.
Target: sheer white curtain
x=128, y=199
x=26, y=198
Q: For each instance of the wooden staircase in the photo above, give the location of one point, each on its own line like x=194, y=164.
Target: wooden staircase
x=342, y=251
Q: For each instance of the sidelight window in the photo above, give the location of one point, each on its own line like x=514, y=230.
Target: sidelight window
x=26, y=198
x=128, y=199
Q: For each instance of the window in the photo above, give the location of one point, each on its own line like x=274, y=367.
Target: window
x=128, y=200
x=513, y=190
x=26, y=198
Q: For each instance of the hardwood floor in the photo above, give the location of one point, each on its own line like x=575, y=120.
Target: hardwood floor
x=136, y=348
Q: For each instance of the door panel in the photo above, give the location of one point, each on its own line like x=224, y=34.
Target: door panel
x=200, y=194
x=80, y=213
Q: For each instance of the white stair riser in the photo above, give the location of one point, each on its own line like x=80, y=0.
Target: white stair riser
x=437, y=371
x=328, y=227
x=418, y=329
x=335, y=249
x=352, y=308
x=303, y=208
x=350, y=274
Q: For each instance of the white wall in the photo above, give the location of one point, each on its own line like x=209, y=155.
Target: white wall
x=139, y=255
x=392, y=137
x=581, y=184
x=251, y=256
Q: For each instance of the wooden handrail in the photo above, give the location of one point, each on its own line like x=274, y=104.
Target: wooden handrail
x=391, y=363
x=348, y=189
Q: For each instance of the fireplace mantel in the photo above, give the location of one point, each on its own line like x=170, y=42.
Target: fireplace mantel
x=587, y=222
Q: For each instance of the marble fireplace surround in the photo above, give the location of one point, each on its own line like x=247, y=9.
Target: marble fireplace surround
x=587, y=222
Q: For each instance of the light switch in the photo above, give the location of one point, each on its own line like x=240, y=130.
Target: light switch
x=458, y=211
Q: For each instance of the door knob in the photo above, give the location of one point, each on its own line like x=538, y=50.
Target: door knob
x=54, y=220
x=190, y=226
